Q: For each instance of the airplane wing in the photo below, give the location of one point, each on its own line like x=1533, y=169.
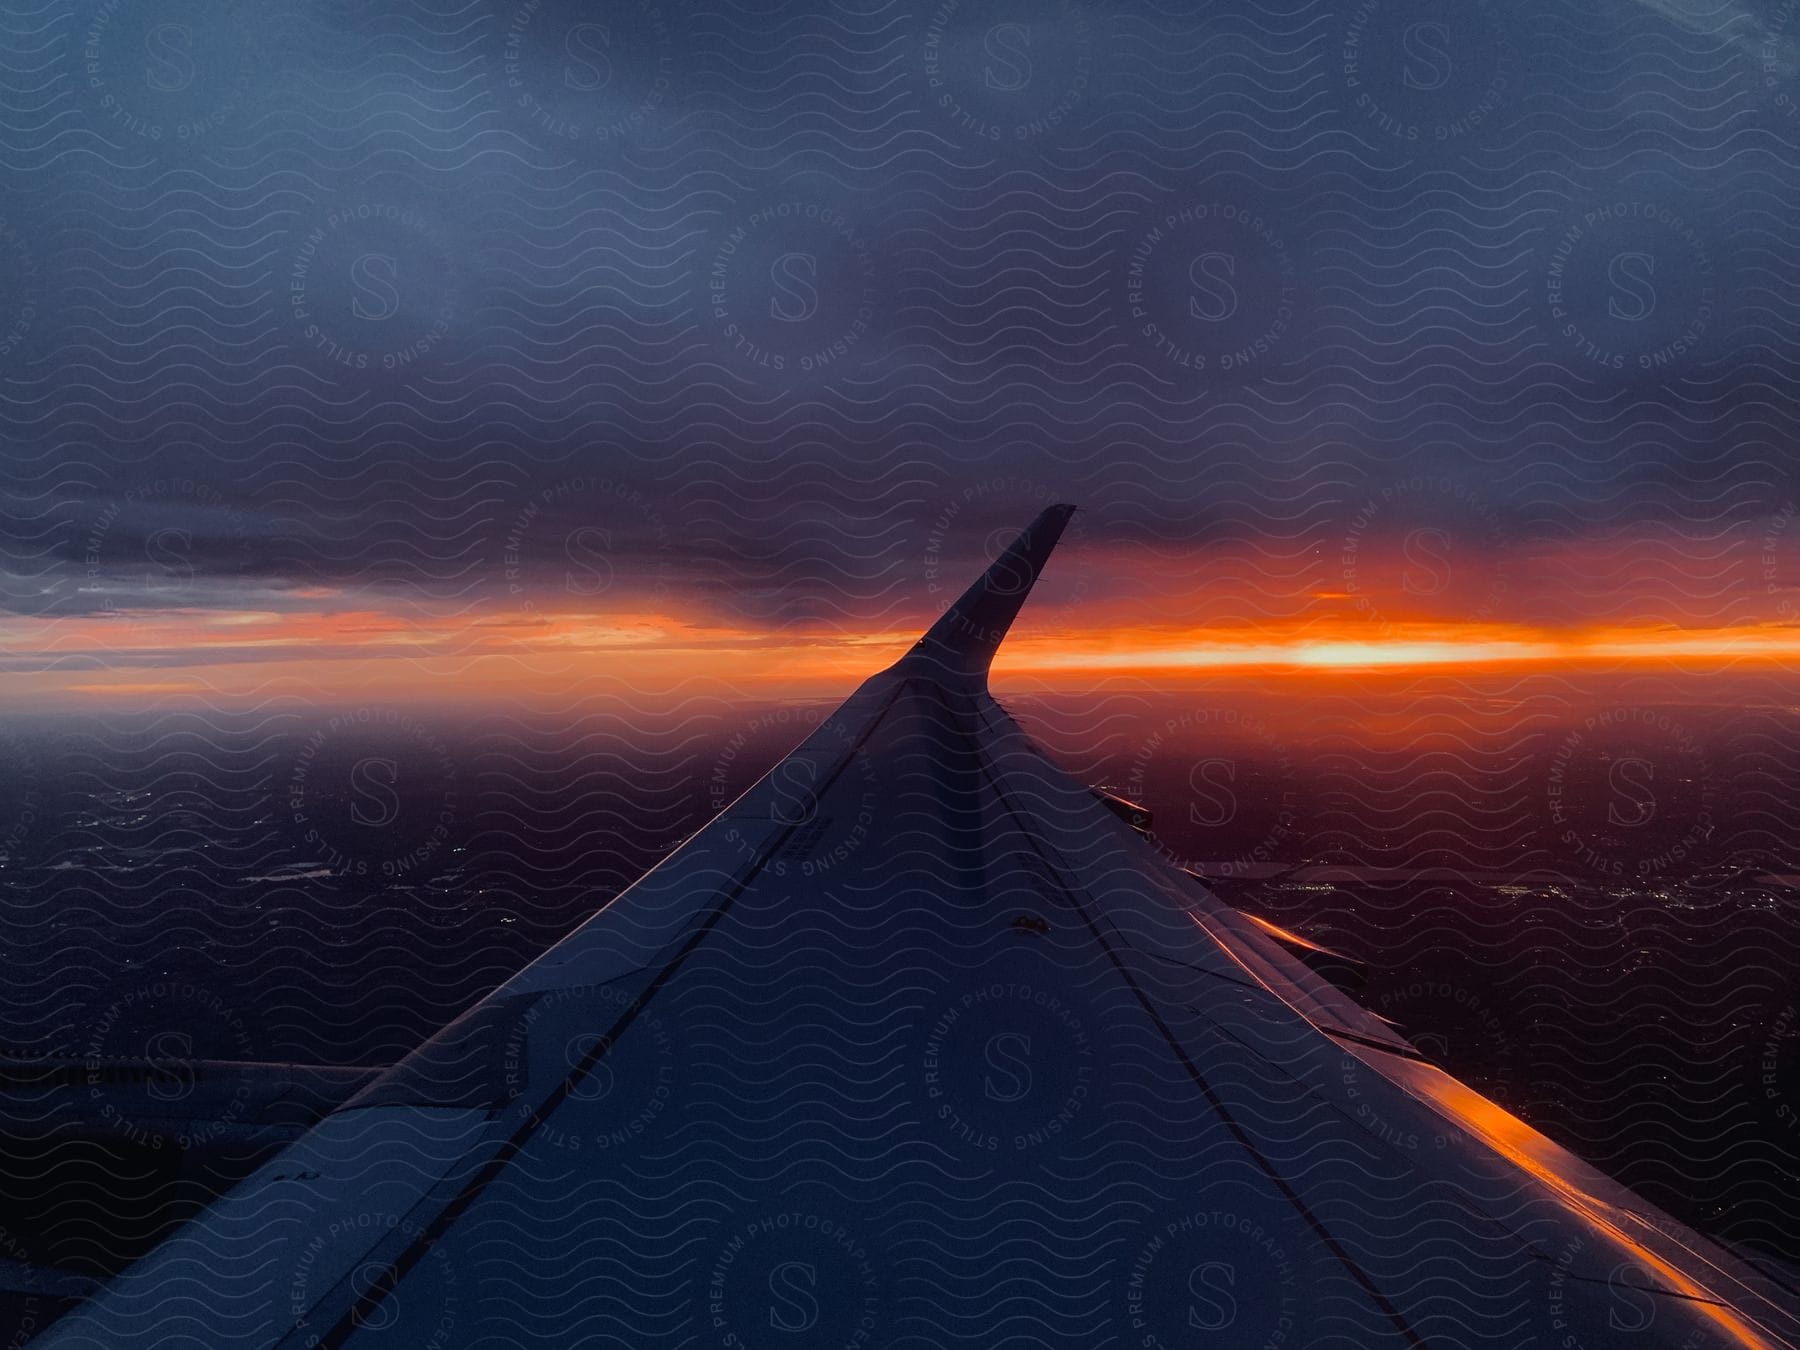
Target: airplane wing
x=919, y=1044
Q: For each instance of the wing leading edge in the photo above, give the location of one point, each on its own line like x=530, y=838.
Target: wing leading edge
x=918, y=1043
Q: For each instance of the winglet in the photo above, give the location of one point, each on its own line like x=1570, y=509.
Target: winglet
x=962, y=643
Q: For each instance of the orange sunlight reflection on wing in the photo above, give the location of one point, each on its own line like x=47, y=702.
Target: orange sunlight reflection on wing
x=1517, y=1142
x=1520, y=1144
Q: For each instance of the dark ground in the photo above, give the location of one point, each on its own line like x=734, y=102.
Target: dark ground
x=1600, y=933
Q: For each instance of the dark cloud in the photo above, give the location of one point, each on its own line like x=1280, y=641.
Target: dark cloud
x=729, y=306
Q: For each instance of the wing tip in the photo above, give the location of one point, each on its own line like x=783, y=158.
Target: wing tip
x=962, y=643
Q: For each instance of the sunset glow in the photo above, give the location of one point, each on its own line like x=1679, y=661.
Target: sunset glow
x=482, y=654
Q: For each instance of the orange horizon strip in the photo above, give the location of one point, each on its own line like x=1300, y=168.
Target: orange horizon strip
x=186, y=639
x=1472, y=645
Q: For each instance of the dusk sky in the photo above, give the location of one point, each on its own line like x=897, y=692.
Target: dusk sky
x=471, y=347
x=454, y=450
